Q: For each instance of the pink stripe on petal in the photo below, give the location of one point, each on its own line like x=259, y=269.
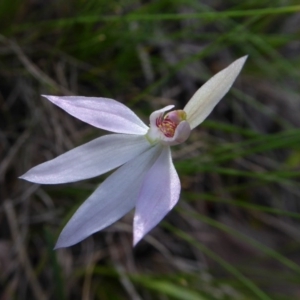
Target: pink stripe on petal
x=159, y=193
x=107, y=114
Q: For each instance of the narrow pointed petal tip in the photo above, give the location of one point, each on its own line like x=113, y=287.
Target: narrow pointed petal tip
x=209, y=94
x=56, y=247
x=104, y=113
x=89, y=160
x=24, y=177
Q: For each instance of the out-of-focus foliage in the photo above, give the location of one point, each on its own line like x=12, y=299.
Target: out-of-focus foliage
x=235, y=232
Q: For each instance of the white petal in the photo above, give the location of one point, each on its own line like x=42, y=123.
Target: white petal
x=207, y=97
x=89, y=160
x=159, y=193
x=115, y=197
x=103, y=113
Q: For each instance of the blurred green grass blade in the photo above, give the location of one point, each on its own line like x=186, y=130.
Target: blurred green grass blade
x=260, y=50
x=59, y=291
x=8, y=11
x=229, y=128
x=263, y=143
x=266, y=250
x=286, y=67
x=215, y=46
x=172, y=17
x=256, y=46
x=259, y=144
x=164, y=285
x=262, y=108
x=170, y=289
x=243, y=204
x=281, y=177
x=228, y=267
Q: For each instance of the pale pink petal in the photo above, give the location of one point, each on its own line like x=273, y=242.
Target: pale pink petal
x=103, y=113
x=159, y=193
x=89, y=160
x=115, y=197
x=209, y=94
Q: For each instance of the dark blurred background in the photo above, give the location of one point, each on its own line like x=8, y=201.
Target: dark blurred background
x=235, y=232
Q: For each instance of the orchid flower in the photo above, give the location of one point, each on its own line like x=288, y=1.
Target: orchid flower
x=146, y=178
